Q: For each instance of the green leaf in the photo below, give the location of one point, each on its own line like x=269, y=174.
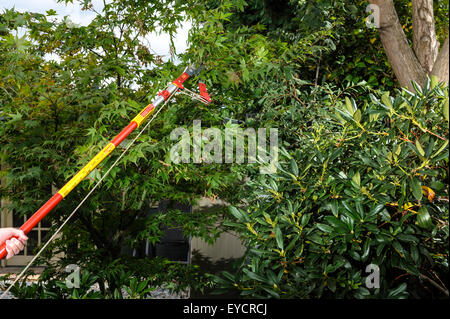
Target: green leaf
x=416, y=188
x=279, y=237
x=420, y=148
x=325, y=228
x=339, y=226
x=398, y=247
x=434, y=81
x=399, y=292
x=272, y=292
x=335, y=207
x=51, y=12
x=357, y=116
x=360, y=209
x=273, y=184
x=142, y=285
x=366, y=250
x=430, y=148
x=387, y=101
x=289, y=206
x=305, y=219
x=376, y=210
x=349, y=106
x=237, y=213
x=294, y=167
x=417, y=88
x=350, y=212
x=445, y=109
x=272, y=277
x=424, y=218
x=440, y=149
x=357, y=178
x=339, y=117
x=253, y=275
x=331, y=284
x=228, y=276
x=354, y=254
x=414, y=253
x=407, y=238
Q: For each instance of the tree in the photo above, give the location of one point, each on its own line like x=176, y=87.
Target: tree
x=59, y=113
x=422, y=59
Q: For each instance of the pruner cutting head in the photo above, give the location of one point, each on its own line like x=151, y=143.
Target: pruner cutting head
x=203, y=96
x=194, y=70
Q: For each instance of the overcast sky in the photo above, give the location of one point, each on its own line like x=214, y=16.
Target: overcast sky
x=159, y=43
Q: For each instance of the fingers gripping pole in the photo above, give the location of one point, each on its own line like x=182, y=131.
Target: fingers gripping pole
x=105, y=152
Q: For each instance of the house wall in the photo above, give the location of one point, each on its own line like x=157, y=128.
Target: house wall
x=228, y=245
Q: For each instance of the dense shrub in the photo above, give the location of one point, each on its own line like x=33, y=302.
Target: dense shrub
x=367, y=184
x=126, y=277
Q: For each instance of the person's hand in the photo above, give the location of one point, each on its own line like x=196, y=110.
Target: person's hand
x=13, y=245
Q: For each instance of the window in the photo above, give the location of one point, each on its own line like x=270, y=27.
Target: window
x=173, y=245
x=36, y=236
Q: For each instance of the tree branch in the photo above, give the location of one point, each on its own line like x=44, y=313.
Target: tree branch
x=440, y=68
x=404, y=62
x=425, y=43
x=435, y=284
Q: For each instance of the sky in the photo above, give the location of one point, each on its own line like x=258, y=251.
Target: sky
x=159, y=43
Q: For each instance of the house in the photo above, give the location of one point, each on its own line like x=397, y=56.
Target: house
x=173, y=245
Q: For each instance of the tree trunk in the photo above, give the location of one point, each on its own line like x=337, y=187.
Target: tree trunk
x=425, y=43
x=440, y=68
x=425, y=60
x=403, y=61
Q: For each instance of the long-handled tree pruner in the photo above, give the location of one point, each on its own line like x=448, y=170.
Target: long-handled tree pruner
x=175, y=86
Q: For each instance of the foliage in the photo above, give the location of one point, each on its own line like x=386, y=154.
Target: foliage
x=65, y=91
x=367, y=185
x=271, y=81
x=133, y=279
x=299, y=66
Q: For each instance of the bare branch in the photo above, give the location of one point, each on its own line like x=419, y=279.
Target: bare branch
x=435, y=284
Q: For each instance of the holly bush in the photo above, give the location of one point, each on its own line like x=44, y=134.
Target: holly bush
x=367, y=184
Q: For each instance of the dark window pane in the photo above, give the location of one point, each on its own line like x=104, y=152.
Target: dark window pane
x=173, y=234
x=32, y=241
x=44, y=236
x=17, y=219
x=45, y=223
x=173, y=251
